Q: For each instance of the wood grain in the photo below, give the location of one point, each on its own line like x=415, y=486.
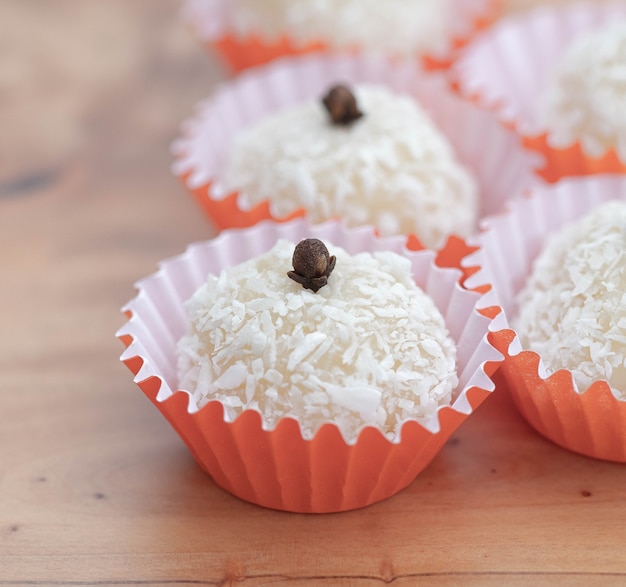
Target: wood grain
x=95, y=488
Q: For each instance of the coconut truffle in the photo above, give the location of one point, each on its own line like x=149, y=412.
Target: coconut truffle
x=572, y=310
x=403, y=27
x=391, y=168
x=369, y=348
x=585, y=99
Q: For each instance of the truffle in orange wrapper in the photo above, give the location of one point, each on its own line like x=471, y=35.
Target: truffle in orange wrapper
x=248, y=33
x=555, y=75
x=558, y=264
x=313, y=384
x=274, y=144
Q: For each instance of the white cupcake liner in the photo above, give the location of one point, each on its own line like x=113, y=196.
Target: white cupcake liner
x=211, y=22
x=592, y=423
x=508, y=68
x=491, y=152
x=230, y=451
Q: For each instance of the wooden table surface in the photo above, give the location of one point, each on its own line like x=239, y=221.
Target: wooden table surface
x=95, y=488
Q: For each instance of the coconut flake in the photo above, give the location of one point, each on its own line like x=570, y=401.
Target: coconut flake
x=362, y=400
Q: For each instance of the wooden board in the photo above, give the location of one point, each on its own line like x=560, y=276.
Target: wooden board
x=95, y=488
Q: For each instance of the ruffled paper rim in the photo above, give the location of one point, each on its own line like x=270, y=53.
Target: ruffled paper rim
x=502, y=166
x=522, y=50
x=209, y=22
x=592, y=422
x=470, y=316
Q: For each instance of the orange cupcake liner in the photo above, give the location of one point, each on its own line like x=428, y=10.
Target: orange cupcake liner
x=278, y=468
x=571, y=161
x=240, y=54
x=226, y=213
x=592, y=423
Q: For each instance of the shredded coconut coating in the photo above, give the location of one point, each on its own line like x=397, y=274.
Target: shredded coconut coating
x=392, y=168
x=369, y=348
x=572, y=311
x=586, y=100
x=403, y=27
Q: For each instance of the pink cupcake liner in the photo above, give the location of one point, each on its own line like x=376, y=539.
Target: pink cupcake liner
x=492, y=153
x=507, y=69
x=210, y=22
x=592, y=423
x=277, y=468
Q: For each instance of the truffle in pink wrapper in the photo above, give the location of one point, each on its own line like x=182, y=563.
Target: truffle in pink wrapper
x=252, y=32
x=279, y=464
x=555, y=74
x=557, y=265
x=263, y=147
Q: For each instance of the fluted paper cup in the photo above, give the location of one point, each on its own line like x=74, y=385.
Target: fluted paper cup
x=213, y=22
x=276, y=467
x=592, y=423
x=490, y=152
x=509, y=68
